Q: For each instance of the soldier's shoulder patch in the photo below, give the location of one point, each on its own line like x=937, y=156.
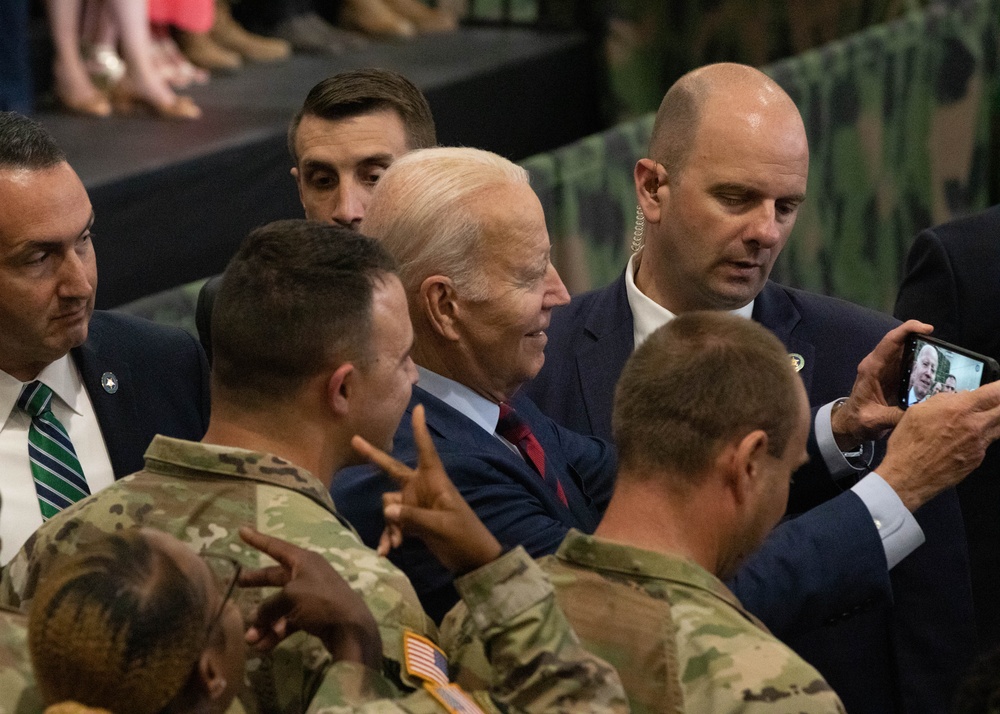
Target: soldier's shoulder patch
x=424, y=659
x=454, y=699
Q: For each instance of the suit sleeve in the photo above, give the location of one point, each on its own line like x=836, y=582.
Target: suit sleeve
x=929, y=291
x=816, y=568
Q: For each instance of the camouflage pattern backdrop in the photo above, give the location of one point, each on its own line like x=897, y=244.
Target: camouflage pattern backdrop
x=902, y=126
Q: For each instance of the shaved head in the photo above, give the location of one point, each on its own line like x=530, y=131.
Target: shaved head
x=733, y=87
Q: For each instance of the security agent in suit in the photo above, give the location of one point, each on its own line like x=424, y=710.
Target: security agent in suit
x=719, y=194
x=953, y=282
x=350, y=128
x=116, y=380
x=470, y=237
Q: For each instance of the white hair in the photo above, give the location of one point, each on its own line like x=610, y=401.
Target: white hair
x=421, y=211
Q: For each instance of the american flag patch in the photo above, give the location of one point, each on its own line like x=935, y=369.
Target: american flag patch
x=453, y=698
x=424, y=659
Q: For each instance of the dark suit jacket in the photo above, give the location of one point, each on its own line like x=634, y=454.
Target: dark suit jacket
x=503, y=490
x=162, y=385
x=883, y=648
x=953, y=282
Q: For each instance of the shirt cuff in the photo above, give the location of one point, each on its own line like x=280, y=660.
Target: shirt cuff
x=503, y=589
x=898, y=529
x=836, y=462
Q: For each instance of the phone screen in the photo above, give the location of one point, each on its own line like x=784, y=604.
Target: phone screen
x=938, y=369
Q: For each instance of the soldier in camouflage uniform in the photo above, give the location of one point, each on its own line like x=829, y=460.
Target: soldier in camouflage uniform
x=711, y=420
x=294, y=377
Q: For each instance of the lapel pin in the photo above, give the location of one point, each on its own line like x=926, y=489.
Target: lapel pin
x=798, y=362
x=110, y=382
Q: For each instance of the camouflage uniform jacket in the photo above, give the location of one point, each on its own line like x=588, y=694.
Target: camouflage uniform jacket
x=537, y=664
x=680, y=639
x=201, y=494
x=17, y=685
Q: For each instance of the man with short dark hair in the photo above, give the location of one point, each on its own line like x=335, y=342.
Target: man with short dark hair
x=82, y=393
x=350, y=128
x=719, y=193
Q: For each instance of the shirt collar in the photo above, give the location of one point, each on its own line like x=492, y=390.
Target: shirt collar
x=60, y=376
x=648, y=315
x=177, y=457
x=460, y=398
x=596, y=553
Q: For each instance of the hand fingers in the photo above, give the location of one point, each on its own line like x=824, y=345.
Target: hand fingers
x=427, y=455
x=282, y=551
x=392, y=537
x=893, y=340
x=271, y=611
x=397, y=470
x=273, y=576
x=265, y=640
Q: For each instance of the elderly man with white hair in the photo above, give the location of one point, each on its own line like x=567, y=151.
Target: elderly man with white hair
x=470, y=237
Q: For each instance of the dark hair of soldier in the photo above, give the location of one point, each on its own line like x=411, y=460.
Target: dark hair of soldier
x=295, y=299
x=364, y=91
x=24, y=144
x=118, y=622
x=698, y=382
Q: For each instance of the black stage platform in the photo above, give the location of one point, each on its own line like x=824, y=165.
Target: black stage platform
x=173, y=200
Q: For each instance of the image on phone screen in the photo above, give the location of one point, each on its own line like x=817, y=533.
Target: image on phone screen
x=938, y=369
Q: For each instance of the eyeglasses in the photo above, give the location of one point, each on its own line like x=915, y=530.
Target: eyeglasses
x=226, y=572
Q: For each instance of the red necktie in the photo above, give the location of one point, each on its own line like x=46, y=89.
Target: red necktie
x=512, y=428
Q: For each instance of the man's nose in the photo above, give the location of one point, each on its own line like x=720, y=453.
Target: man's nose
x=352, y=200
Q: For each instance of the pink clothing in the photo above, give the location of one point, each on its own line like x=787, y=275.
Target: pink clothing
x=188, y=15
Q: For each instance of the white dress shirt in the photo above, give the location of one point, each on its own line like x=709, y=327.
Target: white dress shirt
x=20, y=515
x=898, y=529
x=476, y=407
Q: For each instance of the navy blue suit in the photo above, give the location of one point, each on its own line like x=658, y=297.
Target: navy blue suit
x=886, y=643
x=953, y=282
x=162, y=385
x=504, y=491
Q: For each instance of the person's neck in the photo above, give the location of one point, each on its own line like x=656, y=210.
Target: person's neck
x=452, y=363
x=646, y=517
x=652, y=280
x=283, y=434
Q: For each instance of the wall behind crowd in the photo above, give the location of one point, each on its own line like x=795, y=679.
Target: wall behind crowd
x=901, y=120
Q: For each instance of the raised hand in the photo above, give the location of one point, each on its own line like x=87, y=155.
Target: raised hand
x=314, y=598
x=429, y=506
x=939, y=441
x=871, y=409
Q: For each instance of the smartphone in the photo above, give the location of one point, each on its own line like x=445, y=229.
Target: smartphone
x=931, y=366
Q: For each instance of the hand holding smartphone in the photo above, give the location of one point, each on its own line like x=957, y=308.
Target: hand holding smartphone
x=931, y=366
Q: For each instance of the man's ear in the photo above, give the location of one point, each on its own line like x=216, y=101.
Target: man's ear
x=650, y=184
x=746, y=465
x=438, y=300
x=339, y=387
x=298, y=182
x=210, y=673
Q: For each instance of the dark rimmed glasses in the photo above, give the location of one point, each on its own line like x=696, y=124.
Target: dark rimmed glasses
x=226, y=572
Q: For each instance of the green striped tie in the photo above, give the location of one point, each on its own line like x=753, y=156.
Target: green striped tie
x=58, y=476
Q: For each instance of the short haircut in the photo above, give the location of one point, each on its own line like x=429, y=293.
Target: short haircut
x=364, y=91
x=421, y=210
x=117, y=622
x=24, y=144
x=699, y=382
x=679, y=116
x=676, y=125
x=295, y=298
